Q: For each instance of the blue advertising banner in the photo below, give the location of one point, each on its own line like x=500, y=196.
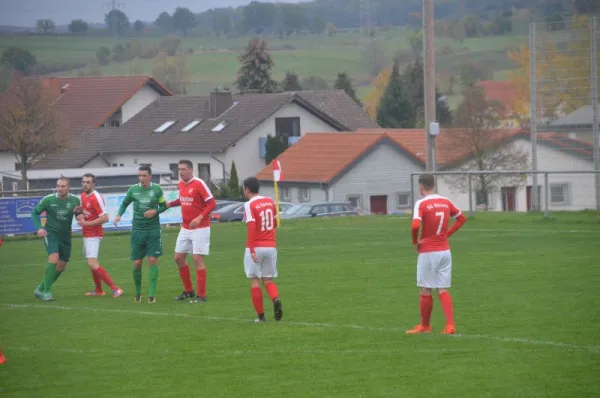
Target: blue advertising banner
x=15, y=213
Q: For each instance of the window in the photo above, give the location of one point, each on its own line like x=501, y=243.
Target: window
x=287, y=126
x=337, y=208
x=204, y=171
x=17, y=166
x=15, y=186
x=403, y=200
x=220, y=126
x=481, y=198
x=114, y=123
x=174, y=167
x=190, y=126
x=121, y=164
x=114, y=165
x=355, y=201
x=164, y=127
x=303, y=194
x=559, y=194
x=322, y=209
x=285, y=194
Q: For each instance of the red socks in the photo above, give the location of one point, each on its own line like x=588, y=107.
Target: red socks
x=201, y=282
x=97, y=280
x=272, y=290
x=257, y=300
x=446, y=301
x=103, y=275
x=426, y=308
x=184, y=273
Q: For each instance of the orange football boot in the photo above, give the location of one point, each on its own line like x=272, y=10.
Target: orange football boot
x=419, y=329
x=449, y=329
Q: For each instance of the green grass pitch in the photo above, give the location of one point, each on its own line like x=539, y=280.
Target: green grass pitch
x=526, y=307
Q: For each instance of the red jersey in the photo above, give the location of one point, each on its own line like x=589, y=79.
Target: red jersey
x=93, y=208
x=195, y=198
x=260, y=214
x=434, y=212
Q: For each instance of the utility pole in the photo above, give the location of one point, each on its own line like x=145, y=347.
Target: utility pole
x=429, y=75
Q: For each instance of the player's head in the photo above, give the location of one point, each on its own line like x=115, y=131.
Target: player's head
x=63, y=186
x=145, y=175
x=185, y=169
x=88, y=182
x=251, y=187
x=426, y=184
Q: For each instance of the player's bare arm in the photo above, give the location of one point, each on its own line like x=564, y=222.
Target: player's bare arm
x=100, y=220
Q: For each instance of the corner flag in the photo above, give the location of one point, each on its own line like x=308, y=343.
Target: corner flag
x=277, y=176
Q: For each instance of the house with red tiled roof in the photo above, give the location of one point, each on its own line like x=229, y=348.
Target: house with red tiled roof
x=372, y=170
x=505, y=93
x=81, y=103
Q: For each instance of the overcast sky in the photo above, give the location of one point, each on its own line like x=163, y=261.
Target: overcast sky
x=26, y=12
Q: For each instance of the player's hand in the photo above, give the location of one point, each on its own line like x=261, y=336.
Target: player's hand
x=418, y=246
x=82, y=222
x=41, y=233
x=117, y=220
x=254, y=257
x=196, y=221
x=80, y=217
x=150, y=213
x=77, y=209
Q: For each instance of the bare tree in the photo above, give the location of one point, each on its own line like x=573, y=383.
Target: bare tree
x=29, y=129
x=483, y=146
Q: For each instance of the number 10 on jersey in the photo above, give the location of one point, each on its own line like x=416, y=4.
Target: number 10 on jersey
x=266, y=220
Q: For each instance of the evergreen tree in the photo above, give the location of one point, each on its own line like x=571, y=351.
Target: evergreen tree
x=255, y=71
x=274, y=147
x=290, y=82
x=234, y=183
x=395, y=109
x=343, y=82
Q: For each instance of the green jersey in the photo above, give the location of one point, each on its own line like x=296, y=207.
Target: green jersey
x=59, y=214
x=144, y=199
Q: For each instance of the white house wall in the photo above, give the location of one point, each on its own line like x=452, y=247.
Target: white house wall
x=246, y=154
x=7, y=161
x=144, y=97
x=581, y=187
x=317, y=193
x=385, y=171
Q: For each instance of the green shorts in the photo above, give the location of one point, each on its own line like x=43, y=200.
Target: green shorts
x=146, y=244
x=60, y=245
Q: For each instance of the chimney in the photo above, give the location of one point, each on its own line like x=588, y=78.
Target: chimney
x=220, y=101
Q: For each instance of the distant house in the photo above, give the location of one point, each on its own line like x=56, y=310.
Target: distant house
x=93, y=102
x=577, y=124
x=371, y=169
x=505, y=93
x=212, y=131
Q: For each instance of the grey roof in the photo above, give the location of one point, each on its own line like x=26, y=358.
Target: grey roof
x=581, y=118
x=75, y=173
x=249, y=110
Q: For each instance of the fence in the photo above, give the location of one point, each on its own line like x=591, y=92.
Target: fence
x=513, y=190
x=563, y=79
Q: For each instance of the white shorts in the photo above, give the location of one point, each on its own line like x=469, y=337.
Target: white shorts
x=434, y=269
x=266, y=266
x=195, y=241
x=91, y=247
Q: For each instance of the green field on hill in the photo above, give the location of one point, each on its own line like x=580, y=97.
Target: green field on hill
x=524, y=291
x=213, y=61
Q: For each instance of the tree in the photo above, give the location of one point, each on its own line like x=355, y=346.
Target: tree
x=170, y=44
x=78, y=26
x=29, y=129
x=117, y=22
x=290, y=82
x=471, y=73
x=45, y=25
x=477, y=120
x=374, y=97
x=331, y=29
x=318, y=26
x=293, y=18
x=19, y=59
x=139, y=26
x=255, y=70
x=221, y=22
x=183, y=19
x=171, y=71
x=274, y=147
x=103, y=56
x=234, y=183
x=344, y=82
x=415, y=41
x=373, y=57
x=164, y=22
x=314, y=83
x=395, y=109
x=259, y=17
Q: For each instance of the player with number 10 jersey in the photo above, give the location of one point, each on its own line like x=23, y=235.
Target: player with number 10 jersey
x=260, y=259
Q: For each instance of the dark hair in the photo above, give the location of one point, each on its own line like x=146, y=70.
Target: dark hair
x=90, y=175
x=427, y=181
x=63, y=178
x=188, y=163
x=252, y=184
x=146, y=168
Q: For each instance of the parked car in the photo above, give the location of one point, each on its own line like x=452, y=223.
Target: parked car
x=234, y=211
x=223, y=203
x=319, y=209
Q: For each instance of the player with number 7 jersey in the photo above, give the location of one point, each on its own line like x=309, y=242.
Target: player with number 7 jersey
x=260, y=258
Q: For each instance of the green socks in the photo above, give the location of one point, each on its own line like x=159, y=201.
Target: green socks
x=137, y=278
x=153, y=279
x=49, y=278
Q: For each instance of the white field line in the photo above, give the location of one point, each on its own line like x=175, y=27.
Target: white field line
x=568, y=346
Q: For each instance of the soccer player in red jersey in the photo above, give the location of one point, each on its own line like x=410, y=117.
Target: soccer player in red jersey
x=434, y=264
x=94, y=215
x=196, y=203
x=2, y=358
x=260, y=259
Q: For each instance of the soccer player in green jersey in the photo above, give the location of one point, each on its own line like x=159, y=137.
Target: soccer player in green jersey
x=146, y=239
x=60, y=209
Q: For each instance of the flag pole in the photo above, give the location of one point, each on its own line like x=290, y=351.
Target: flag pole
x=276, y=179
x=277, y=202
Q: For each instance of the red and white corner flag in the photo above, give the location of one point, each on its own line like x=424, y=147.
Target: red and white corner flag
x=277, y=175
